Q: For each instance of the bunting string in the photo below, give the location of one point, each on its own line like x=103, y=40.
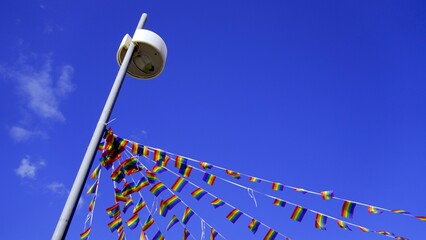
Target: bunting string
x=127, y=159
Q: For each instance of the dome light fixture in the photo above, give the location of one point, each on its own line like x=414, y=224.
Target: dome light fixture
x=149, y=56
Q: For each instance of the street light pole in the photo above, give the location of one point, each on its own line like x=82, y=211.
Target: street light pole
x=80, y=180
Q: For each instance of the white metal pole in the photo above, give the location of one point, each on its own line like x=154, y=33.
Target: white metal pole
x=77, y=188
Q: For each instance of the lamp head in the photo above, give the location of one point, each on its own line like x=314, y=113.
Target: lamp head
x=149, y=56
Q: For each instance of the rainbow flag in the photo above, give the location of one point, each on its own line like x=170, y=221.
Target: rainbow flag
x=233, y=174
x=422, y=218
x=128, y=204
x=254, y=225
x=92, y=203
x=270, y=235
x=172, y=201
x=95, y=173
x=158, y=236
x=209, y=178
x=185, y=170
x=254, y=179
x=152, y=177
x=363, y=229
x=141, y=204
x=101, y=146
x=298, y=213
x=142, y=237
x=118, y=175
x=278, y=202
x=159, y=155
x=141, y=184
x=301, y=190
x=119, y=196
x=187, y=214
x=172, y=222
x=139, y=149
x=400, y=238
x=213, y=234
x=206, y=165
x=277, y=186
x=348, y=209
x=163, y=209
x=158, y=169
x=121, y=236
x=128, y=188
x=327, y=195
x=135, y=148
x=133, y=222
x=217, y=203
x=234, y=215
x=320, y=222
x=385, y=233
x=148, y=223
x=85, y=235
x=113, y=211
x=400, y=211
x=115, y=224
x=157, y=189
x=373, y=210
x=343, y=225
x=132, y=166
x=180, y=162
x=198, y=193
x=185, y=234
x=93, y=188
x=179, y=184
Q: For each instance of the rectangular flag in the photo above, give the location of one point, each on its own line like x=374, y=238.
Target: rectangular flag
x=343, y=225
x=209, y=178
x=213, y=234
x=157, y=189
x=187, y=214
x=277, y=186
x=118, y=174
x=141, y=184
x=93, y=188
x=115, y=224
x=278, y=202
x=217, y=203
x=172, y=201
x=373, y=210
x=270, y=235
x=148, y=223
x=172, y=222
x=85, y=235
x=254, y=225
x=158, y=236
x=179, y=184
x=233, y=174
x=198, y=193
x=348, y=209
x=180, y=162
x=141, y=204
x=163, y=209
x=320, y=222
x=119, y=196
x=185, y=234
x=133, y=222
x=152, y=177
x=128, y=204
x=327, y=195
x=400, y=211
x=113, y=211
x=185, y=170
x=254, y=179
x=206, y=165
x=234, y=215
x=298, y=213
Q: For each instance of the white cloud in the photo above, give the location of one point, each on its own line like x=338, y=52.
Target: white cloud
x=58, y=188
x=27, y=169
x=20, y=134
x=38, y=87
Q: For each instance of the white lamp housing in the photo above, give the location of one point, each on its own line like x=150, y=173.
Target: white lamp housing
x=149, y=56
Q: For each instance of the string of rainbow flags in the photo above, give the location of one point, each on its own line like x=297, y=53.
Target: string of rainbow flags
x=113, y=147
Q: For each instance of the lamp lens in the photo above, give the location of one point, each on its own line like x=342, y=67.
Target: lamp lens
x=143, y=63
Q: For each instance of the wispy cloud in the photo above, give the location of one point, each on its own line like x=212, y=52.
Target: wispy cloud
x=27, y=169
x=57, y=188
x=40, y=89
x=19, y=134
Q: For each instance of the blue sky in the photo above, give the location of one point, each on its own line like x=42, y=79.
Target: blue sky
x=319, y=95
